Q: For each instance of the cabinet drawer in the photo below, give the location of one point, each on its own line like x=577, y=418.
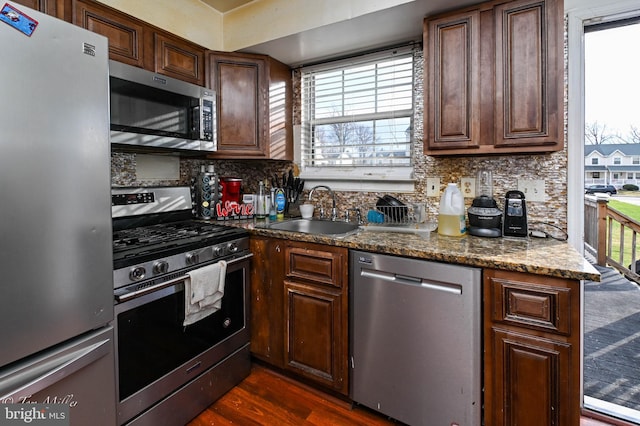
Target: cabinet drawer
x=319, y=266
x=544, y=304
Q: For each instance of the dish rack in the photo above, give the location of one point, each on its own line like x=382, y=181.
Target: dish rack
x=410, y=214
x=411, y=218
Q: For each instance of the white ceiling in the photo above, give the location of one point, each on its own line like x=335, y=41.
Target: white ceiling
x=224, y=6
x=384, y=28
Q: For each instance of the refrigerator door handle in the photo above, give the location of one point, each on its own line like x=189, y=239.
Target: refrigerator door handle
x=32, y=379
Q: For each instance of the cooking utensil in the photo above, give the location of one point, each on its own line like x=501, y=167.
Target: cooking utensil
x=290, y=179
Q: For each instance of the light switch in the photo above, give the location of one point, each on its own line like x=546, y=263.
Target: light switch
x=433, y=187
x=533, y=190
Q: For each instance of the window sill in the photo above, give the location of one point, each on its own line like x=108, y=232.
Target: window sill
x=361, y=180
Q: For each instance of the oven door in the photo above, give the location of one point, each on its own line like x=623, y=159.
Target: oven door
x=156, y=354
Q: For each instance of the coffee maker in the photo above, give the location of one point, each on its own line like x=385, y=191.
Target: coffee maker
x=485, y=217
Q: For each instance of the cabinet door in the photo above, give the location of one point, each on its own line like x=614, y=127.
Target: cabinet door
x=45, y=6
x=531, y=348
x=314, y=334
x=452, y=71
x=125, y=35
x=531, y=381
x=178, y=58
x=267, y=310
x=240, y=84
x=529, y=74
x=280, y=99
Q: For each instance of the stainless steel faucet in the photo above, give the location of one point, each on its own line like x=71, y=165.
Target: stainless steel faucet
x=334, y=212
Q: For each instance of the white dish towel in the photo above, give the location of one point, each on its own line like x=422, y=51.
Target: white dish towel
x=203, y=291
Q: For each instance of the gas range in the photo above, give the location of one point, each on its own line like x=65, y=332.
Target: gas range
x=158, y=249
x=155, y=236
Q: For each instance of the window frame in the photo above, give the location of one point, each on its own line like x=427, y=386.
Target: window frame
x=363, y=178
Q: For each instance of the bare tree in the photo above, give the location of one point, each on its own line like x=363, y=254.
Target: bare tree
x=343, y=132
x=363, y=137
x=597, y=134
x=634, y=135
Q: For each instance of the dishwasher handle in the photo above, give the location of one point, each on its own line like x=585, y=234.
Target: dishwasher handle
x=415, y=281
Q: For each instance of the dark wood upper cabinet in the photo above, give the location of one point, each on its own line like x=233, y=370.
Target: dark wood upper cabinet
x=125, y=34
x=240, y=83
x=176, y=58
x=254, y=106
x=453, y=106
x=50, y=7
x=137, y=43
x=493, y=79
x=529, y=74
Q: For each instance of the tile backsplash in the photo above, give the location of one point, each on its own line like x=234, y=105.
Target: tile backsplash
x=552, y=168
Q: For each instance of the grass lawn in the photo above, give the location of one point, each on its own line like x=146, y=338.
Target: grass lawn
x=632, y=211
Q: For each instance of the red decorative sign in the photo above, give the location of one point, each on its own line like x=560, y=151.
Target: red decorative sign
x=231, y=209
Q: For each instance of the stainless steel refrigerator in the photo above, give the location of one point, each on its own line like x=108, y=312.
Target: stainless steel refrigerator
x=56, y=291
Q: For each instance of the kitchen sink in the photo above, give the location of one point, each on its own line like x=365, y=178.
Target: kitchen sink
x=310, y=226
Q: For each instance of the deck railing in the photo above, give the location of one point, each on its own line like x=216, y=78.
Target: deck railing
x=607, y=233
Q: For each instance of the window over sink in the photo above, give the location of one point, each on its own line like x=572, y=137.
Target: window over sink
x=357, y=120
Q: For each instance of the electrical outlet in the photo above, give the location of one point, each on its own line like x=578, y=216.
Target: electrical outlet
x=433, y=187
x=533, y=190
x=468, y=187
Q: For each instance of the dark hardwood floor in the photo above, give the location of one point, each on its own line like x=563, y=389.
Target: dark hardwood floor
x=267, y=398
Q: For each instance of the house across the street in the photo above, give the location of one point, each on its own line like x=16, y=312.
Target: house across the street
x=612, y=164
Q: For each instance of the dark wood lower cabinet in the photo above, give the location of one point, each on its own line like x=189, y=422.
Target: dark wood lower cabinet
x=267, y=309
x=299, y=310
x=532, y=380
x=532, y=350
x=313, y=333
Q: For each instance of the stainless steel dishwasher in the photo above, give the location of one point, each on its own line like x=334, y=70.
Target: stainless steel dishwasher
x=415, y=339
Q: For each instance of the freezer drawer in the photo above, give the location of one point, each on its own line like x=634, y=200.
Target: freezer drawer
x=416, y=339
x=79, y=373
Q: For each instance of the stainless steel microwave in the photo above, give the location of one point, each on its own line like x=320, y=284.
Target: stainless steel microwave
x=152, y=110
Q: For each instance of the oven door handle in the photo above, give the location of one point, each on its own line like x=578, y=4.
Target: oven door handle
x=133, y=294
x=127, y=296
x=239, y=259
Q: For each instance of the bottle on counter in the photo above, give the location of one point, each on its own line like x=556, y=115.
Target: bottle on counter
x=281, y=203
x=451, y=218
x=261, y=209
x=272, y=205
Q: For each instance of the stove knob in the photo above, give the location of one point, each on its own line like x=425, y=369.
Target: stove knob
x=218, y=251
x=232, y=247
x=160, y=267
x=137, y=273
x=191, y=258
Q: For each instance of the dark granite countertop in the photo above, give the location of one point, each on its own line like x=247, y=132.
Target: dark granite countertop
x=542, y=256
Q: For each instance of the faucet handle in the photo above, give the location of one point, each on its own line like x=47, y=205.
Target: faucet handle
x=358, y=215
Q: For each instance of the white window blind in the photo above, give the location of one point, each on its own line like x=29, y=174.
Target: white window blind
x=358, y=112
